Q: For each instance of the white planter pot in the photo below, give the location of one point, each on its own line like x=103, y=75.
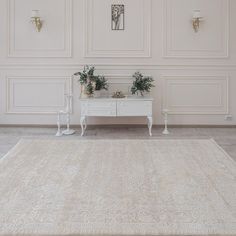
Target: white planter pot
x=97, y=93
x=83, y=93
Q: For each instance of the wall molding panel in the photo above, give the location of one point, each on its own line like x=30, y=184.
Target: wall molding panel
x=196, y=95
x=122, y=82
x=39, y=46
x=36, y=94
x=119, y=78
x=179, y=39
x=120, y=66
x=101, y=50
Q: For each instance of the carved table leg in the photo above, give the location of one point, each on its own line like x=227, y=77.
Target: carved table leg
x=59, y=132
x=149, y=118
x=83, y=124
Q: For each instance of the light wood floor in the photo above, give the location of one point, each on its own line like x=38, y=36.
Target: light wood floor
x=225, y=137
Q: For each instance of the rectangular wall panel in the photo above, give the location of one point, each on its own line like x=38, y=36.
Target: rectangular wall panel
x=54, y=39
x=134, y=41
x=212, y=38
x=37, y=94
x=195, y=94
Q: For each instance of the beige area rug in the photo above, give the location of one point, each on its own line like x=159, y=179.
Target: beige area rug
x=117, y=187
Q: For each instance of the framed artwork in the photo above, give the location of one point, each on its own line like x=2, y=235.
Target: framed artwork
x=118, y=17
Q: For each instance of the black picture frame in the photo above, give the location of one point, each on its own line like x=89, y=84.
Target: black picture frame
x=117, y=17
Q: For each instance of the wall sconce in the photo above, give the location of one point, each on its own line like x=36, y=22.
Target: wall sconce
x=197, y=17
x=36, y=20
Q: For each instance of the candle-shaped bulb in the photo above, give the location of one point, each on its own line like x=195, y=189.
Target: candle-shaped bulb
x=197, y=14
x=35, y=13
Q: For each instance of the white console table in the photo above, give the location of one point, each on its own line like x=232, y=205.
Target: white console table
x=116, y=107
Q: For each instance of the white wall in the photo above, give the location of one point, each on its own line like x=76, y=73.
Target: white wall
x=194, y=72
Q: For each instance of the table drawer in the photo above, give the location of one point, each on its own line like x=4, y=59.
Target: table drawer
x=98, y=108
x=134, y=108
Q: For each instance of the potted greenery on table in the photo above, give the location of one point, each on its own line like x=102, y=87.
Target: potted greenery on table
x=90, y=83
x=141, y=84
x=100, y=84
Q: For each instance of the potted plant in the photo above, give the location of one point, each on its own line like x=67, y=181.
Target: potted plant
x=141, y=84
x=86, y=80
x=100, y=84
x=89, y=82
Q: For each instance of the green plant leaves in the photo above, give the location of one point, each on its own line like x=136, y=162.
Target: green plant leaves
x=141, y=83
x=88, y=79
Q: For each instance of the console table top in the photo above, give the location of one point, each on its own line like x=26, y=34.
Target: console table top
x=126, y=98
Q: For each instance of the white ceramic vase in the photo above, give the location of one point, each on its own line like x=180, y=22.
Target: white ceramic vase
x=97, y=93
x=83, y=92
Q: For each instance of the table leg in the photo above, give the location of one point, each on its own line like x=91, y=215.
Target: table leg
x=83, y=124
x=149, y=118
x=59, y=132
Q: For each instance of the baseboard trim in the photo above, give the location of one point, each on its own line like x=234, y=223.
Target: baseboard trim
x=201, y=126
x=115, y=126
